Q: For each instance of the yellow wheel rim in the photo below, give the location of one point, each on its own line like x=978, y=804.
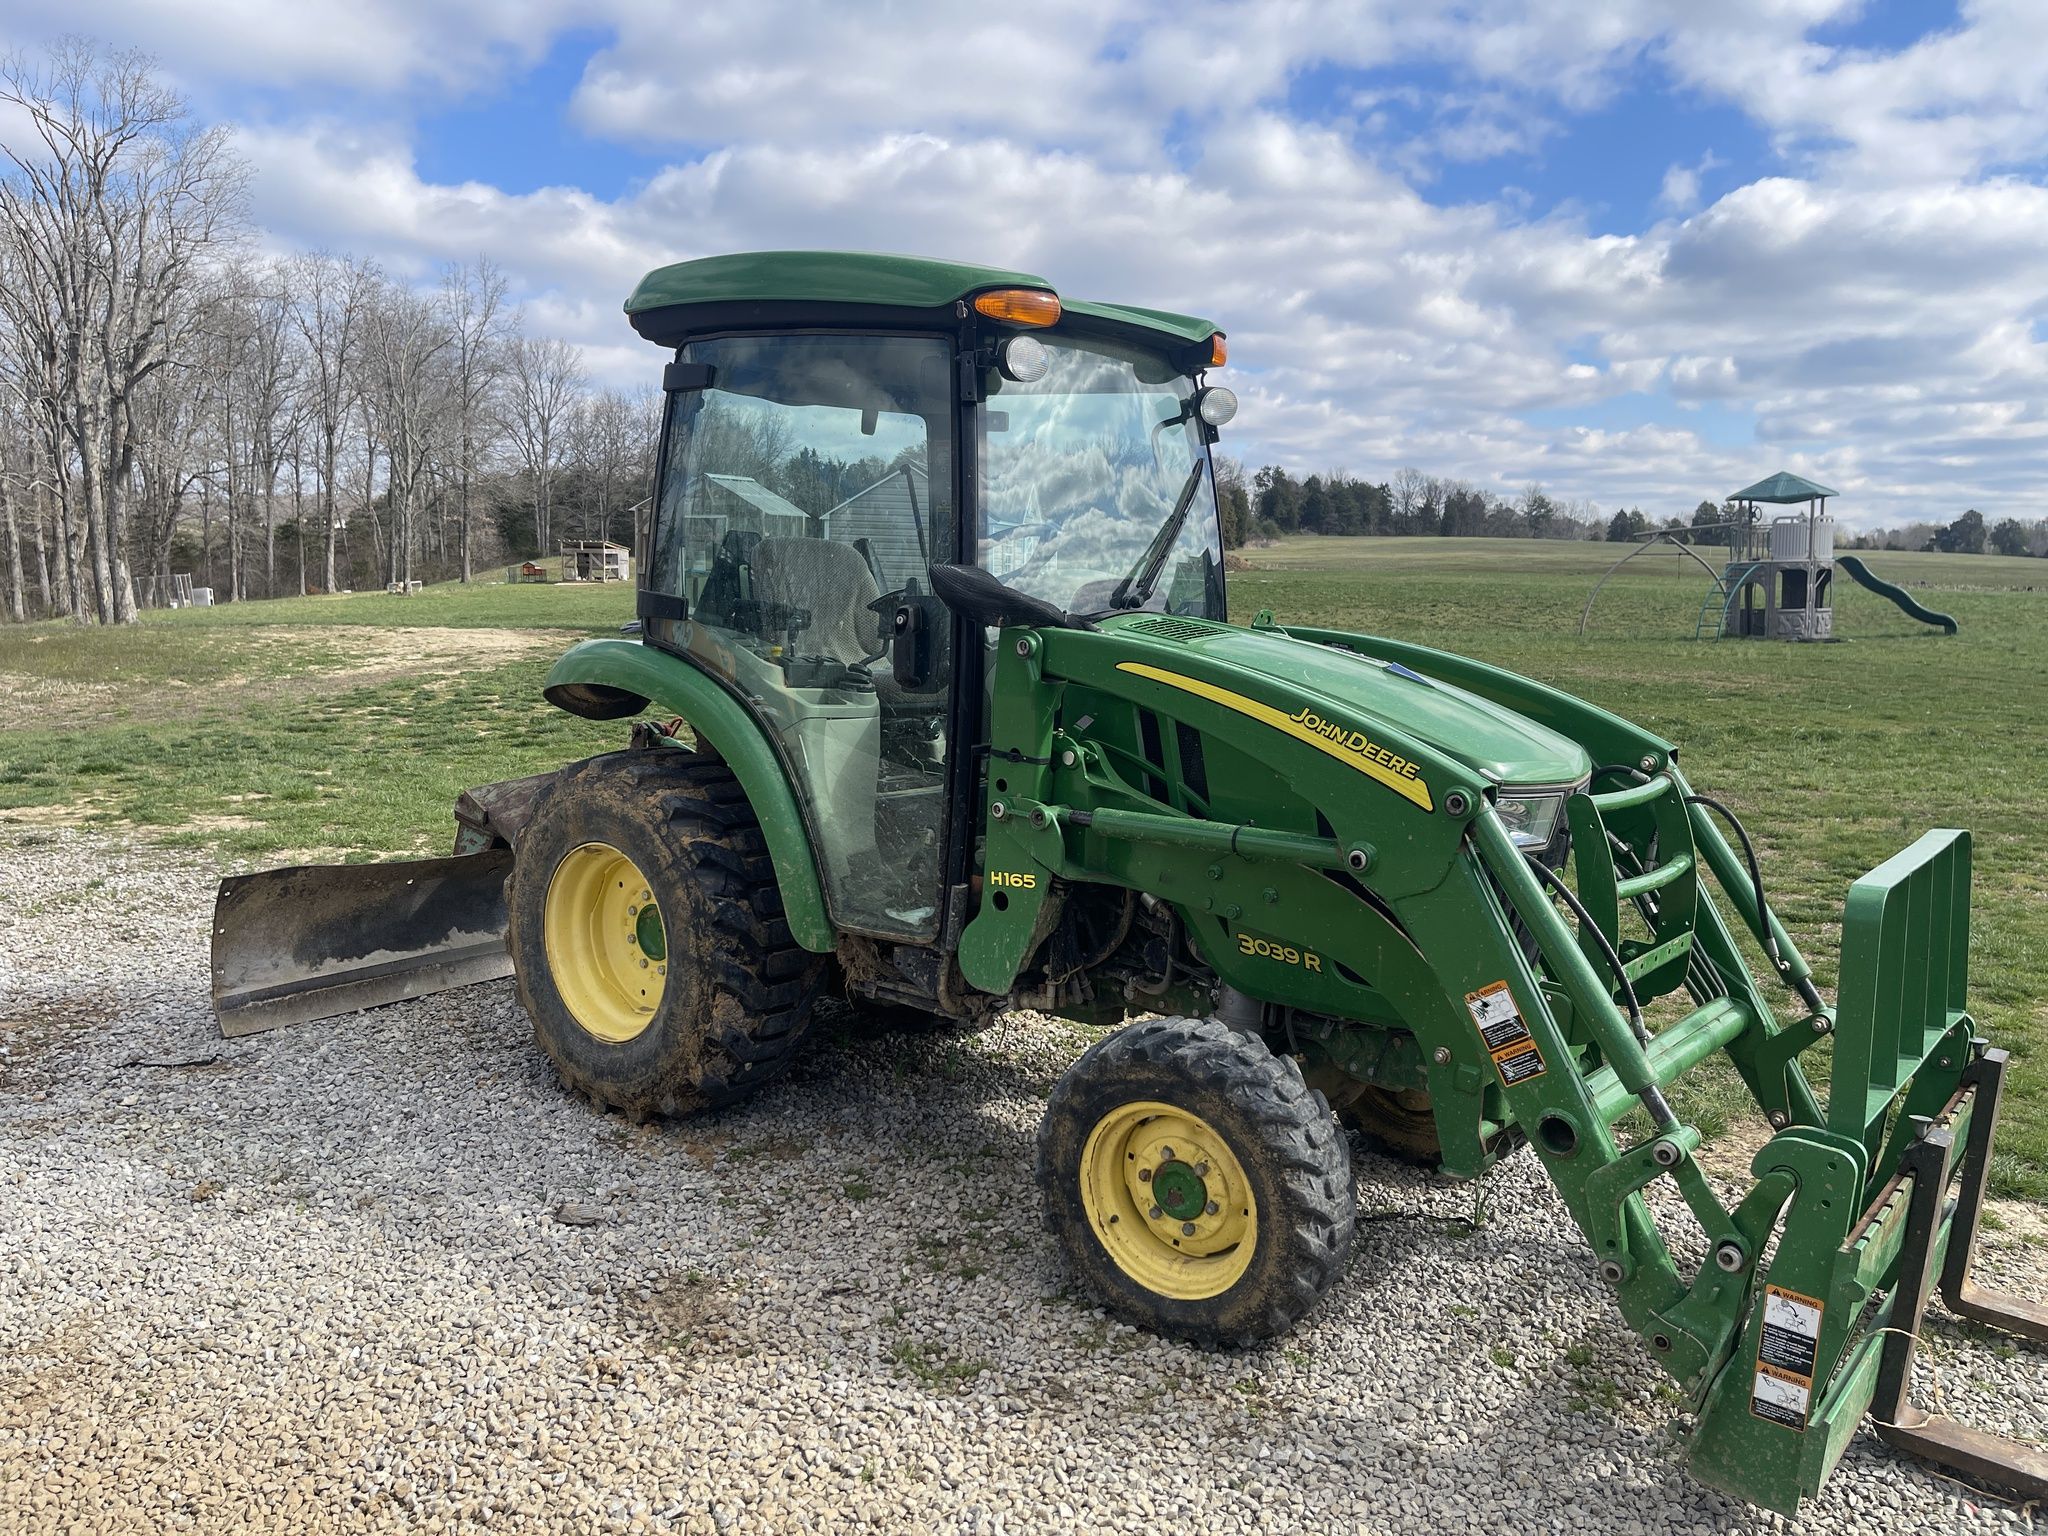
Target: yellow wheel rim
x=607, y=949
x=1169, y=1200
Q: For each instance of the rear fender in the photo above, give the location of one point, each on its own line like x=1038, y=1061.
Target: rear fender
x=610, y=679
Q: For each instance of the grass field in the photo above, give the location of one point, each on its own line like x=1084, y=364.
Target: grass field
x=345, y=726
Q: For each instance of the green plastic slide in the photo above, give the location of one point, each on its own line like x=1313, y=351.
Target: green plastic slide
x=1863, y=575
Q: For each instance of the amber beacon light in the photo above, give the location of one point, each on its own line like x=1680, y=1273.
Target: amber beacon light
x=1019, y=306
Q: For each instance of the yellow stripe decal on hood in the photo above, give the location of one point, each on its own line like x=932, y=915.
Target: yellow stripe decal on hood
x=1348, y=746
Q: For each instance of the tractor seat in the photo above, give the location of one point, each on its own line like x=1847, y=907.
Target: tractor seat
x=834, y=583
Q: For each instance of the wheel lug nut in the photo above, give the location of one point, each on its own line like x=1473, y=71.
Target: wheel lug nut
x=1166, y=1153
x=1144, y=1175
x=1211, y=1208
x=643, y=965
x=1156, y=1213
x=1187, y=1229
x=1201, y=1170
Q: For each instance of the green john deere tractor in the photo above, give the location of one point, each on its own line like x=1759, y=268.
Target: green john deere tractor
x=932, y=613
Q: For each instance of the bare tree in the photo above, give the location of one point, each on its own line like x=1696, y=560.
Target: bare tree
x=16, y=475
x=113, y=217
x=473, y=308
x=34, y=375
x=544, y=379
x=406, y=342
x=172, y=413
x=271, y=362
x=330, y=295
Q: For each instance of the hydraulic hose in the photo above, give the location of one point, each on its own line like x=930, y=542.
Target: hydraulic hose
x=1652, y=1097
x=1551, y=878
x=1808, y=993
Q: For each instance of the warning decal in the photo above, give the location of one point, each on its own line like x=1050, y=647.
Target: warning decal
x=1515, y=1054
x=1787, y=1352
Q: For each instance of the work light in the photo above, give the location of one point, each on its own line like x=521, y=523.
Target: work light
x=1531, y=819
x=1216, y=405
x=1025, y=359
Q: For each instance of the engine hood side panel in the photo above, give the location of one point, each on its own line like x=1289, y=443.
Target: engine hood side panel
x=1607, y=736
x=1346, y=685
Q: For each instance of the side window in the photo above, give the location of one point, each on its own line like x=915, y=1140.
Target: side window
x=804, y=490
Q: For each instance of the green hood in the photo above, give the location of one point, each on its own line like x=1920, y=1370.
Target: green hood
x=1494, y=742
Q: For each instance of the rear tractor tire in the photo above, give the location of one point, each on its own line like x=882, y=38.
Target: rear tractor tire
x=648, y=938
x=1197, y=1185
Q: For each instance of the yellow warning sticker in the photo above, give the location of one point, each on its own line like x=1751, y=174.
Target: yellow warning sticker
x=1787, y=1354
x=1516, y=1056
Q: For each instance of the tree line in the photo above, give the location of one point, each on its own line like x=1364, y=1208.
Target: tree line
x=1271, y=503
x=1970, y=534
x=172, y=401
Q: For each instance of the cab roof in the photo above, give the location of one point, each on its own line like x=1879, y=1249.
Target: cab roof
x=696, y=295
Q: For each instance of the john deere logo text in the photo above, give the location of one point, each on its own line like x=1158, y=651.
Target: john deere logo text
x=1356, y=742
x=1010, y=877
x=1347, y=746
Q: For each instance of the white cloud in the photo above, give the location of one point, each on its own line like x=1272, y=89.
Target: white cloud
x=1680, y=191
x=1873, y=305
x=370, y=44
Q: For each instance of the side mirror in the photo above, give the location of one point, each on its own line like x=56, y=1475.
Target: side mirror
x=910, y=640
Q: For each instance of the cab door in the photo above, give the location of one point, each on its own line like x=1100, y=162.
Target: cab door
x=806, y=490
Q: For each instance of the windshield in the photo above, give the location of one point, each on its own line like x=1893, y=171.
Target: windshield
x=1080, y=471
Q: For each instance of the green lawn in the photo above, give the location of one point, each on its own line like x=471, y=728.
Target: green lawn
x=347, y=725
x=323, y=727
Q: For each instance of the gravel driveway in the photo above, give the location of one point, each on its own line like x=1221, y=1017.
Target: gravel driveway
x=379, y=1274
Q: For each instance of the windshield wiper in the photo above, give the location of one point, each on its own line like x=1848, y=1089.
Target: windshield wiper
x=1135, y=590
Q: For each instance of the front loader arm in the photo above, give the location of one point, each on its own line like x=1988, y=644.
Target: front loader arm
x=1522, y=1019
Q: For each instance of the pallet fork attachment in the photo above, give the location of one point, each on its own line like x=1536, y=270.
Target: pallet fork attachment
x=1934, y=1223
x=1871, y=1227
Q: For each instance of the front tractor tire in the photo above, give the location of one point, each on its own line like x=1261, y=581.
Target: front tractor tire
x=1196, y=1184
x=648, y=938
x=1400, y=1123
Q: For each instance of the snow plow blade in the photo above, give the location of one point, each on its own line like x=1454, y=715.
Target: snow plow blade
x=309, y=942
x=292, y=945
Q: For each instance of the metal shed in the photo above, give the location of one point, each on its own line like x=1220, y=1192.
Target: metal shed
x=741, y=503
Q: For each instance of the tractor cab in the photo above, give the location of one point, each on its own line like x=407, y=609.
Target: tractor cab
x=820, y=457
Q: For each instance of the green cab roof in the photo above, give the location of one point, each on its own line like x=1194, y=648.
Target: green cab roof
x=867, y=277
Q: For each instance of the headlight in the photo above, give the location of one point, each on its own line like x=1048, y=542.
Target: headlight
x=1531, y=819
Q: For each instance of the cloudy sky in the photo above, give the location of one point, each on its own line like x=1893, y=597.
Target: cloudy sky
x=1639, y=252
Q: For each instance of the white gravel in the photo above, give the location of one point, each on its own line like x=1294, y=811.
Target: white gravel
x=322, y=1280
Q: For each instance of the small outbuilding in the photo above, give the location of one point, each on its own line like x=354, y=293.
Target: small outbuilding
x=595, y=560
